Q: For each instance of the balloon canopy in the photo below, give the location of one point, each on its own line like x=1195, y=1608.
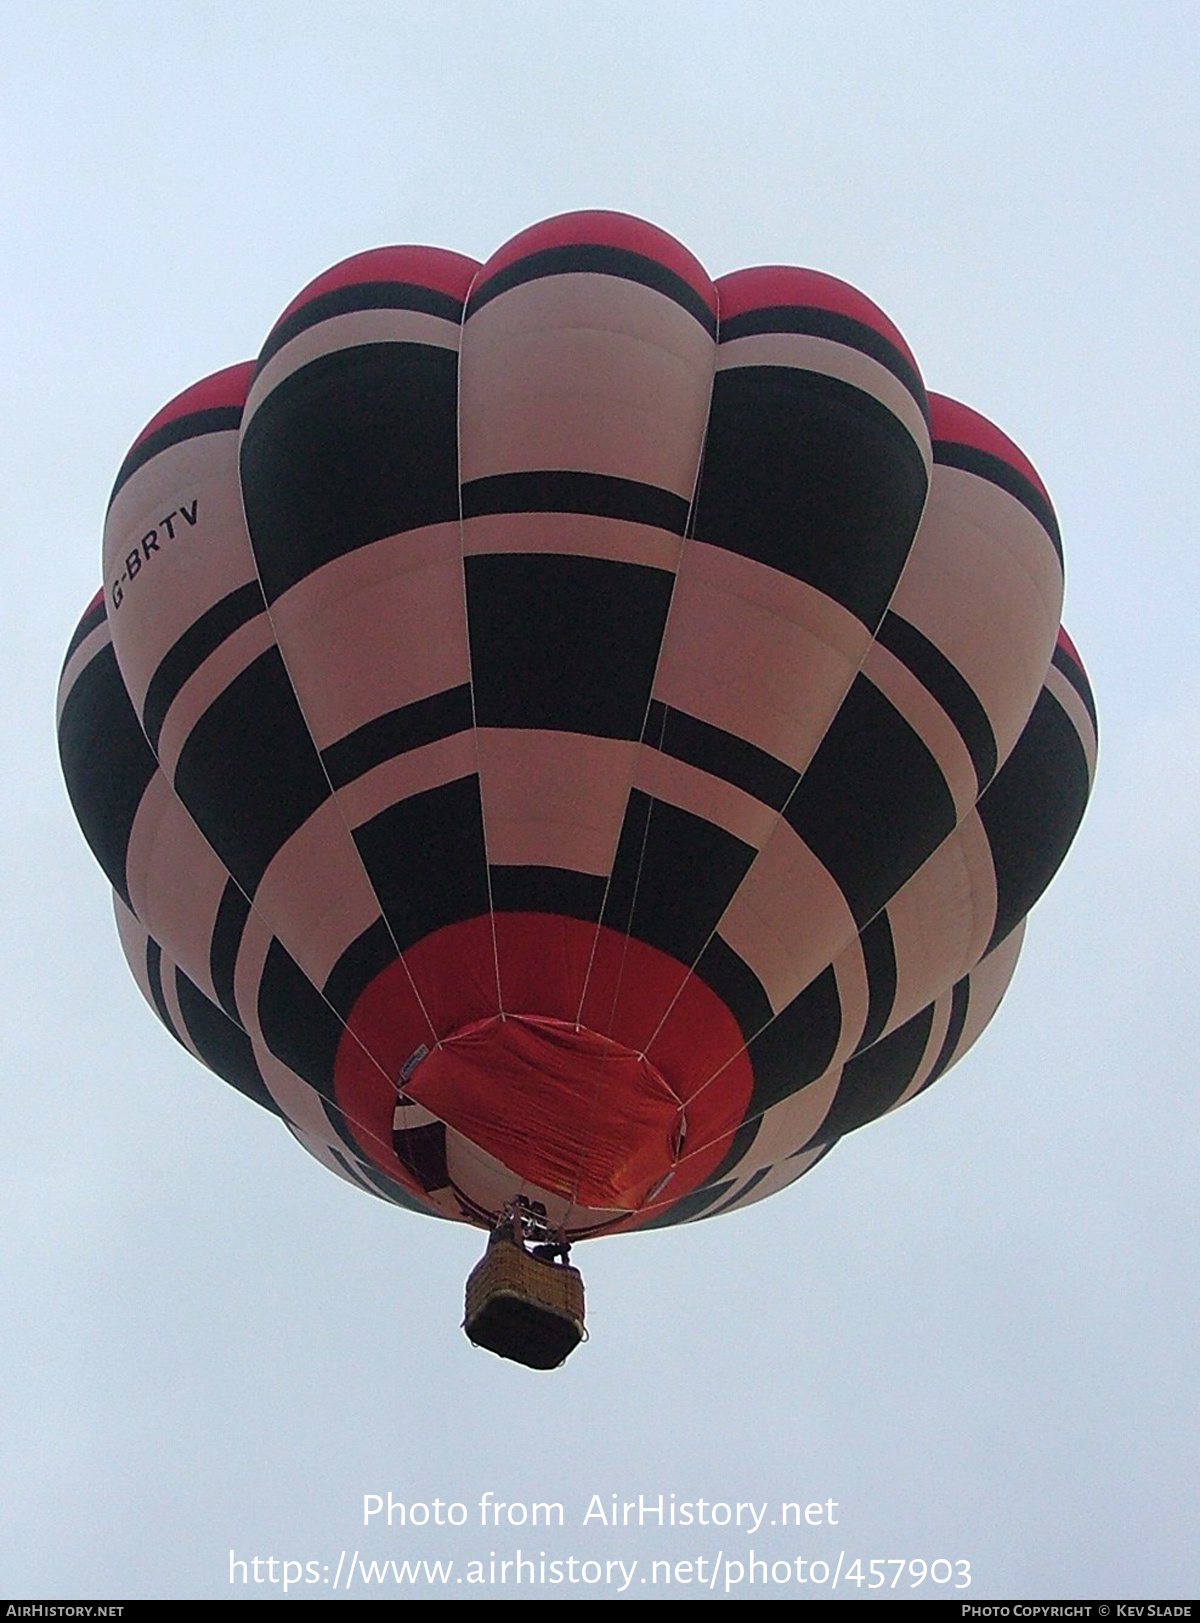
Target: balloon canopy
x=568, y=729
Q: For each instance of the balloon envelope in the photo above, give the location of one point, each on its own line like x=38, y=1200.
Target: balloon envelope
x=572, y=728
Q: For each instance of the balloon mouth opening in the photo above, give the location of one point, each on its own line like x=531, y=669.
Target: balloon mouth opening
x=564, y=1108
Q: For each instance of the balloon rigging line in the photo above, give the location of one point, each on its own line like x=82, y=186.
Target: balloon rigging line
x=619, y=979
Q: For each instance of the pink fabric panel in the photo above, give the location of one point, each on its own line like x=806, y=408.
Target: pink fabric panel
x=938, y=1028
x=786, y=882
x=989, y=982
x=301, y=1105
x=91, y=645
x=585, y=372
x=176, y=881
x=179, y=576
x=928, y=720
x=780, y=1176
x=490, y=1184
x=384, y=326
x=757, y=653
x=791, y=1122
x=1062, y=691
x=854, y=996
x=223, y=666
x=134, y=939
x=315, y=896
x=942, y=919
x=704, y=796
x=833, y=360
x=554, y=798
x=583, y=535
x=984, y=584
x=355, y=633
x=425, y=768
x=133, y=935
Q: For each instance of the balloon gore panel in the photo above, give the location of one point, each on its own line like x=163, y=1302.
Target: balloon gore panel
x=573, y=729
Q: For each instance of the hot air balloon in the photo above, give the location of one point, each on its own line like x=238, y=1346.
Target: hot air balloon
x=572, y=737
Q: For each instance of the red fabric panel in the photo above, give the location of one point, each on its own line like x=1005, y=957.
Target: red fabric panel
x=759, y=287
x=952, y=421
x=607, y=229
x=225, y=388
x=592, y=1102
x=582, y=1116
x=438, y=268
x=1068, y=647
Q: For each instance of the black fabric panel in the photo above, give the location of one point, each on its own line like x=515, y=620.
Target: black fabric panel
x=798, y=1045
x=106, y=762
x=720, y=753
x=186, y=655
x=740, y=1146
x=873, y=1080
x=736, y=984
x=564, y=643
x=357, y=445
x=215, y=420
x=879, y=956
x=154, y=976
x=425, y=860
x=692, y=1205
x=222, y=1045
x=527, y=889
x=379, y=1182
x=228, y=928
x=559, y=490
x=999, y=472
x=406, y=728
x=673, y=877
x=814, y=478
x=1032, y=809
x=941, y=678
x=873, y=803
x=598, y=259
x=367, y=955
x=422, y=1150
x=960, y=1000
x=297, y=1024
x=341, y=301
x=1077, y=677
x=391, y=1190
x=248, y=773
x=351, y=1169
x=815, y=322
x=92, y=617
x=751, y=1183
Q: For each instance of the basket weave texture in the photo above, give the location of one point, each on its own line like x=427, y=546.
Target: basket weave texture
x=523, y=1308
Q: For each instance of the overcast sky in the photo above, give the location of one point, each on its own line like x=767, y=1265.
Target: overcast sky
x=973, y=1327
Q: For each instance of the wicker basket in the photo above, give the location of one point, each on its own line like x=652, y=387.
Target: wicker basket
x=523, y=1308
